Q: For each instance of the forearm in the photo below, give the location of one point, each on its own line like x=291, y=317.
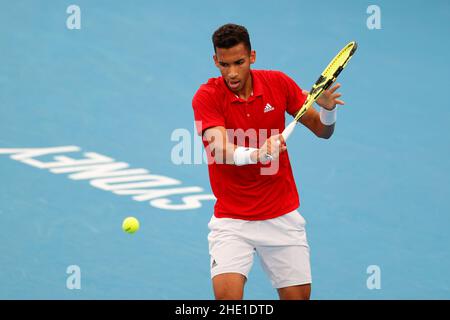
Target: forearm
x=225, y=152
x=321, y=122
x=325, y=131
x=327, y=122
x=222, y=150
x=229, y=155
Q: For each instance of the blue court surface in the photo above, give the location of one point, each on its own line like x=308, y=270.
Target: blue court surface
x=115, y=91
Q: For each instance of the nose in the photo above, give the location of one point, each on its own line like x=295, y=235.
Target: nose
x=233, y=73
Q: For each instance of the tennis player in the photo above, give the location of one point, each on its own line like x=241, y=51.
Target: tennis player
x=240, y=116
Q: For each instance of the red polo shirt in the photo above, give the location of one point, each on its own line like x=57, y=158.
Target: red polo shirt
x=244, y=192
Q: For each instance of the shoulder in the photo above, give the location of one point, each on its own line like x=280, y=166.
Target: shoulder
x=274, y=81
x=271, y=77
x=269, y=74
x=211, y=90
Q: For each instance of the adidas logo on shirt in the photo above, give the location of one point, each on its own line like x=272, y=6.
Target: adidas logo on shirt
x=268, y=108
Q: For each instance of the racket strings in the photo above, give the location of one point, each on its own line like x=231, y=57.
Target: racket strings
x=344, y=54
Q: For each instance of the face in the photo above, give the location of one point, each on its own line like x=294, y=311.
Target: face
x=234, y=65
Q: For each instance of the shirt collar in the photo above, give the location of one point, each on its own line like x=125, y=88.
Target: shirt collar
x=256, y=92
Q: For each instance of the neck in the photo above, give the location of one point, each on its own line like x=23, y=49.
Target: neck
x=247, y=90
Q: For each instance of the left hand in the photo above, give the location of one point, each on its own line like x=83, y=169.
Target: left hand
x=329, y=98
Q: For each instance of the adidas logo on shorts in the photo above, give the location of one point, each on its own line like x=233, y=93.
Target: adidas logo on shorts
x=214, y=263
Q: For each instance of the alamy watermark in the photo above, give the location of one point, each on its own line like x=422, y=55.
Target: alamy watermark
x=74, y=19
x=190, y=148
x=373, y=22
x=374, y=279
x=74, y=279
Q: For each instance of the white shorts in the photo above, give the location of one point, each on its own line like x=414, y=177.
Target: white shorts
x=280, y=243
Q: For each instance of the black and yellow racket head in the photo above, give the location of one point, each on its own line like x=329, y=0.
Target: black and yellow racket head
x=328, y=76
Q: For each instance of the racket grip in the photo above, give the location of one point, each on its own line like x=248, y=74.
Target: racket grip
x=288, y=130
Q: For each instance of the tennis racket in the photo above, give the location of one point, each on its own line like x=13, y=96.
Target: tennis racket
x=326, y=79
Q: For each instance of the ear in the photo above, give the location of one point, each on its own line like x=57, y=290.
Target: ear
x=252, y=56
x=216, y=62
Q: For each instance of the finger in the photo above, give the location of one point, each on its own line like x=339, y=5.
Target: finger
x=283, y=149
x=279, y=145
x=305, y=92
x=336, y=95
x=334, y=88
x=281, y=138
x=340, y=102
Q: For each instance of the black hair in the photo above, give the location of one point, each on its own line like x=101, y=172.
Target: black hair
x=230, y=35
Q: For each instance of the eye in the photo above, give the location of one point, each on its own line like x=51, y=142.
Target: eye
x=223, y=64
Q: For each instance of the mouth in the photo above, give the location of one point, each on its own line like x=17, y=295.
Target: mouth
x=234, y=84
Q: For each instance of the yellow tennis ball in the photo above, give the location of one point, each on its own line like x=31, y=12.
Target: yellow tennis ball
x=130, y=225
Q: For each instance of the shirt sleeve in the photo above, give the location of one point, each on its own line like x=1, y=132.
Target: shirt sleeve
x=295, y=97
x=207, y=112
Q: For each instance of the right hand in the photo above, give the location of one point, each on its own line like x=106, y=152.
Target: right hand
x=272, y=148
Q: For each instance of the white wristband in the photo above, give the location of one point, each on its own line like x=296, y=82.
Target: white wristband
x=328, y=117
x=242, y=156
